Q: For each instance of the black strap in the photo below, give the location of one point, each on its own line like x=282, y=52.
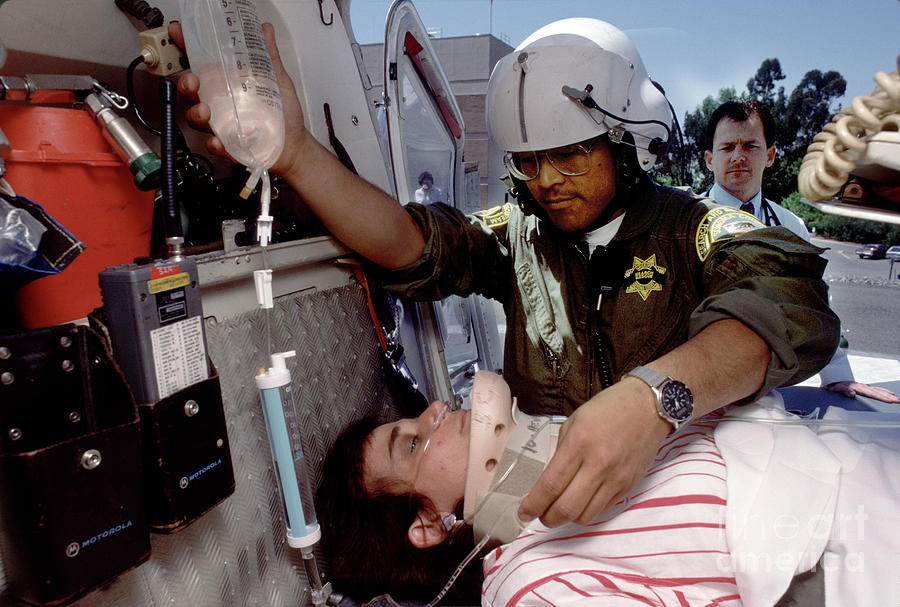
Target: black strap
x=398, y=376
x=605, y=268
x=769, y=216
x=336, y=144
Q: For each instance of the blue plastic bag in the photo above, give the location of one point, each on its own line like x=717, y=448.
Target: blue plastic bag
x=32, y=243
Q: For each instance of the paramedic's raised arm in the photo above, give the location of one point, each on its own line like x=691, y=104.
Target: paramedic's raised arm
x=363, y=217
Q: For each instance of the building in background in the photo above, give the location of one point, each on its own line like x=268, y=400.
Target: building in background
x=467, y=61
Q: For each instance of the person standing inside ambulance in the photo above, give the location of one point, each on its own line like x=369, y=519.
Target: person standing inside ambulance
x=739, y=147
x=631, y=307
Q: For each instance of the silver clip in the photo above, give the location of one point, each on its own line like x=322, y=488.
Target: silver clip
x=114, y=98
x=616, y=133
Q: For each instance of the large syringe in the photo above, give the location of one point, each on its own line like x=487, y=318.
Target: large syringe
x=283, y=426
x=285, y=439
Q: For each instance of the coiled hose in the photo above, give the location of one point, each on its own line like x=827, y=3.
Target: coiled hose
x=835, y=151
x=172, y=217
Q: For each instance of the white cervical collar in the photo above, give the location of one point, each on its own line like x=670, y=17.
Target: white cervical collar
x=498, y=433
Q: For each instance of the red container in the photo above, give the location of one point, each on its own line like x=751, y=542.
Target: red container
x=60, y=160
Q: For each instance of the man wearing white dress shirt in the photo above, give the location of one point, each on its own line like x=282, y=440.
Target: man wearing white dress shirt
x=739, y=147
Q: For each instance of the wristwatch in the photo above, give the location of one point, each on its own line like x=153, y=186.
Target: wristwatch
x=674, y=401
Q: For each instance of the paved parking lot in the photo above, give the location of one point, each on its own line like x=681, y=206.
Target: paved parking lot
x=865, y=297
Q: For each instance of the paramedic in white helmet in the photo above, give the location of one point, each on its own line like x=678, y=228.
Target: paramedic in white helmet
x=630, y=307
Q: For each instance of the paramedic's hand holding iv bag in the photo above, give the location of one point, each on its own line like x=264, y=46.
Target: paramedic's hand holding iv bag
x=379, y=230
x=227, y=52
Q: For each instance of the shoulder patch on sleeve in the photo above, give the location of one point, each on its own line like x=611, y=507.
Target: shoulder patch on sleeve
x=496, y=217
x=723, y=223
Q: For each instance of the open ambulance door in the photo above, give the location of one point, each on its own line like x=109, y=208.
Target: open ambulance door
x=426, y=132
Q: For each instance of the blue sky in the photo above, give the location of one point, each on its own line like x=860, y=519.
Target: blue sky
x=692, y=48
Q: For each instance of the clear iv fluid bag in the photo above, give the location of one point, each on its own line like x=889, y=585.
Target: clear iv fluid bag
x=227, y=52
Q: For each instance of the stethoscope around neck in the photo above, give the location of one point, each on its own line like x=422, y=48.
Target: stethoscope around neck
x=768, y=213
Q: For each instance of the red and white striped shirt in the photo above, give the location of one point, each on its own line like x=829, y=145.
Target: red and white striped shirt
x=664, y=544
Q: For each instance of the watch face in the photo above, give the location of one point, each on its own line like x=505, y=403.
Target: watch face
x=677, y=400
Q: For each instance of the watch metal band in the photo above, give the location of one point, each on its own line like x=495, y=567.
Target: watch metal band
x=652, y=378
x=656, y=380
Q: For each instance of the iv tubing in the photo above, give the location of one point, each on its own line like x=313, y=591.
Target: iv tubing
x=317, y=591
x=264, y=221
x=803, y=421
x=267, y=311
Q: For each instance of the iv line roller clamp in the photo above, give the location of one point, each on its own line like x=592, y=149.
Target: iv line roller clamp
x=283, y=427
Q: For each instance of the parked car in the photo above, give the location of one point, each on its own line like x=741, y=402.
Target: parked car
x=893, y=252
x=872, y=251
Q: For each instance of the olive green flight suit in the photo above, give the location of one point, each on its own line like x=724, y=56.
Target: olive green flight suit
x=674, y=267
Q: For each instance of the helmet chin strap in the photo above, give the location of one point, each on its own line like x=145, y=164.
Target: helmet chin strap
x=628, y=175
x=518, y=189
x=609, y=213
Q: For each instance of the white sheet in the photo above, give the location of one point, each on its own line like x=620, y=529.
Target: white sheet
x=797, y=495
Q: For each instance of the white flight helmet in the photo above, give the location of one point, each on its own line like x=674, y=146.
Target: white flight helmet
x=571, y=80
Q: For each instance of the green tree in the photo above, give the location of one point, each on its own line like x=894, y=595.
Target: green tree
x=812, y=103
x=810, y=106
x=763, y=86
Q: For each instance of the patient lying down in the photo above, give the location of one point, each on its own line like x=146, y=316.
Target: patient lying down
x=402, y=504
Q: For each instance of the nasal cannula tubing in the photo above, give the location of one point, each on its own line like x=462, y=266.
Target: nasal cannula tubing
x=434, y=426
x=494, y=486
x=476, y=549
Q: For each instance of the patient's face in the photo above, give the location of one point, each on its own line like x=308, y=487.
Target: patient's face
x=394, y=454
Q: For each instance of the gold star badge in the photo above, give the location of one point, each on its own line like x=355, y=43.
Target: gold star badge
x=645, y=276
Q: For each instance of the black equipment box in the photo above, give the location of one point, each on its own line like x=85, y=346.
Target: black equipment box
x=71, y=498
x=187, y=459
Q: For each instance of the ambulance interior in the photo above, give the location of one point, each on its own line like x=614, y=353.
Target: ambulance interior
x=331, y=347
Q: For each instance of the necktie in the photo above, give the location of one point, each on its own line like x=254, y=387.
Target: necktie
x=748, y=207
